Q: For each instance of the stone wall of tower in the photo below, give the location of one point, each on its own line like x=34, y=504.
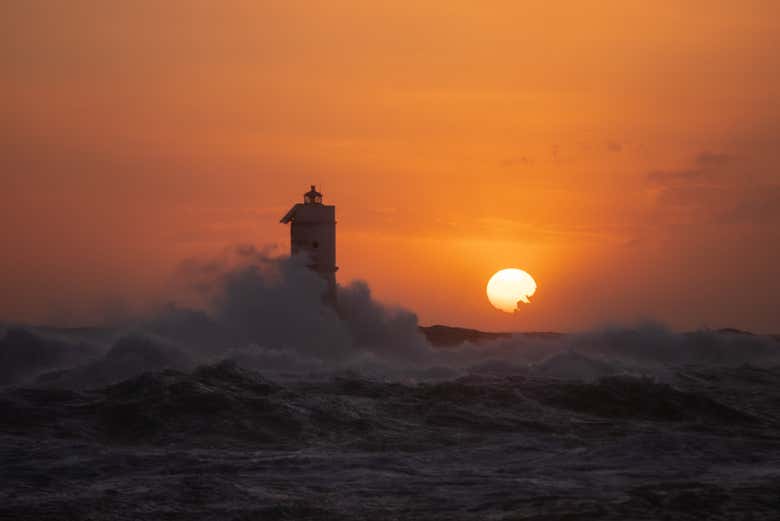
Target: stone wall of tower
x=313, y=232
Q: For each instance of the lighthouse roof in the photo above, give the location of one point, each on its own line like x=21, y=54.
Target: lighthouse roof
x=311, y=209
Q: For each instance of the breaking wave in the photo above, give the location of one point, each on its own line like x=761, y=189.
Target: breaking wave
x=267, y=314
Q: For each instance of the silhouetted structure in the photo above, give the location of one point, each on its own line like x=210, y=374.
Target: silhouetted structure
x=313, y=233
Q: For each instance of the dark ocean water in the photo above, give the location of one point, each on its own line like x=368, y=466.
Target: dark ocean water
x=223, y=442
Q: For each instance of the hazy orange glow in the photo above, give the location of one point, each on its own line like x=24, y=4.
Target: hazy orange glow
x=624, y=153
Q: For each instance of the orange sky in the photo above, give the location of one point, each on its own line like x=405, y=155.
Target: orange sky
x=624, y=153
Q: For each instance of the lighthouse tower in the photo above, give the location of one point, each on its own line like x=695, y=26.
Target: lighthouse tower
x=313, y=233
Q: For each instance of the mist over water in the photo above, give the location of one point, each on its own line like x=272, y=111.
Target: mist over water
x=267, y=314
x=256, y=399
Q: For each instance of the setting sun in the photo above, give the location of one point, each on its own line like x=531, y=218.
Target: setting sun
x=508, y=287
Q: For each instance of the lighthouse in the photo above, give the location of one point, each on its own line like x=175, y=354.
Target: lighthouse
x=313, y=233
